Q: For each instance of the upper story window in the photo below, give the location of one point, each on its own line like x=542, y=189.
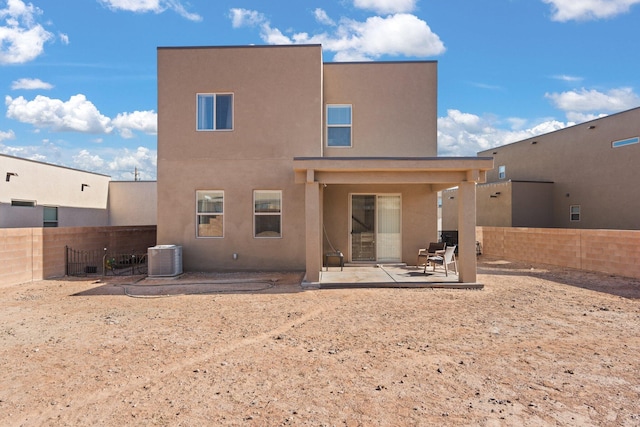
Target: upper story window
x=210, y=213
x=215, y=111
x=574, y=213
x=267, y=212
x=625, y=142
x=23, y=203
x=339, y=125
x=502, y=172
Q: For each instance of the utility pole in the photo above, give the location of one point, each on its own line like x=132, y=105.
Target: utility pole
x=136, y=175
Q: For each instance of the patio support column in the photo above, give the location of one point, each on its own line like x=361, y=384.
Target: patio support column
x=312, y=228
x=467, y=263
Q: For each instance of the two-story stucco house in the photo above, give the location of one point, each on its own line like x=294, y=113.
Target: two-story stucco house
x=268, y=157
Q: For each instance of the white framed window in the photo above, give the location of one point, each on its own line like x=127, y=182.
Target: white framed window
x=574, y=213
x=215, y=111
x=50, y=216
x=502, y=172
x=23, y=203
x=210, y=213
x=267, y=213
x=339, y=126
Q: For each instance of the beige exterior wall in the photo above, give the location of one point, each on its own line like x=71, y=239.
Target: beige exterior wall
x=504, y=204
x=394, y=107
x=277, y=115
x=39, y=253
x=133, y=202
x=585, y=170
x=606, y=251
x=54, y=186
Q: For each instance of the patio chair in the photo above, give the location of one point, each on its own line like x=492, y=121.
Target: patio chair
x=432, y=250
x=449, y=257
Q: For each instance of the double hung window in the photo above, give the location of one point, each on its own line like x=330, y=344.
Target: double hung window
x=215, y=111
x=339, y=125
x=210, y=213
x=267, y=212
x=502, y=172
x=574, y=213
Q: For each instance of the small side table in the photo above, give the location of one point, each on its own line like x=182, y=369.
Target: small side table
x=337, y=254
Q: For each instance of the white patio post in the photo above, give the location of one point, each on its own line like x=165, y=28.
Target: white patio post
x=467, y=263
x=312, y=228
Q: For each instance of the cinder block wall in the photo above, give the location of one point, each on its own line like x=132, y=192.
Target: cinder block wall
x=28, y=254
x=607, y=251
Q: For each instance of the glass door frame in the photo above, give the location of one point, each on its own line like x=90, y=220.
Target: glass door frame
x=376, y=227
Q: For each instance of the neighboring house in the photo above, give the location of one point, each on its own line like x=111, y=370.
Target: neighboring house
x=36, y=194
x=584, y=176
x=268, y=158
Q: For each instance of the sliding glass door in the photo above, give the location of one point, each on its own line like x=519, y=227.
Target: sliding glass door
x=375, y=227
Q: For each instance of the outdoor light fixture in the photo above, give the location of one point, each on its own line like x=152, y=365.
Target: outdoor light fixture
x=592, y=127
x=493, y=196
x=10, y=174
x=534, y=142
x=495, y=152
x=82, y=186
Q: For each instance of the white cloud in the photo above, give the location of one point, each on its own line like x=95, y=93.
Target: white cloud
x=7, y=135
x=75, y=115
x=21, y=38
x=88, y=162
x=144, y=121
x=386, y=6
x=323, y=18
x=64, y=38
x=154, y=6
x=584, y=100
x=395, y=35
x=567, y=78
x=124, y=163
x=465, y=134
x=245, y=18
x=30, y=84
x=585, y=10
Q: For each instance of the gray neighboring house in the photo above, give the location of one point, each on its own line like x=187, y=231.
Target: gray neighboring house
x=584, y=176
x=37, y=194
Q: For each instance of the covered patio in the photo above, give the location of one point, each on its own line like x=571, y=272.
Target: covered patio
x=438, y=172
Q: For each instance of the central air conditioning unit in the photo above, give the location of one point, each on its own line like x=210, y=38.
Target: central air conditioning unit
x=165, y=260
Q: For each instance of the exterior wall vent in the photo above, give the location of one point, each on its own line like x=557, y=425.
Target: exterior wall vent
x=165, y=260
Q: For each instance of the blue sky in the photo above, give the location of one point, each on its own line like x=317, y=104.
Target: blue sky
x=79, y=76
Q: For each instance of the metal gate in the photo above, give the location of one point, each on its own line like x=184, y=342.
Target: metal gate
x=97, y=262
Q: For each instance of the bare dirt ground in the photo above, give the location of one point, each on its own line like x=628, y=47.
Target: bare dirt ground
x=538, y=346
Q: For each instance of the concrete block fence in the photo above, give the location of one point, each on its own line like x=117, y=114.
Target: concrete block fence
x=614, y=252
x=28, y=254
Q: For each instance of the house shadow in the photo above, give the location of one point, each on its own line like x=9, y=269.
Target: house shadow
x=624, y=287
x=197, y=284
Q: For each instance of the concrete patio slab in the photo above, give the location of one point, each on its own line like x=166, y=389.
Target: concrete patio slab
x=388, y=275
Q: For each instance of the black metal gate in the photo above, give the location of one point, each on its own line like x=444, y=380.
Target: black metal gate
x=97, y=262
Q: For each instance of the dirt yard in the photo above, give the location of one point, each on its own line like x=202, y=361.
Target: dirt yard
x=538, y=346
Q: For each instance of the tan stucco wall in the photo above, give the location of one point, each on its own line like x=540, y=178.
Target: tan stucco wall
x=585, y=169
x=419, y=216
x=504, y=204
x=394, y=107
x=277, y=115
x=133, y=202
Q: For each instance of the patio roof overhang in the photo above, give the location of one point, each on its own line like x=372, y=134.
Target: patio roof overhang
x=441, y=172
